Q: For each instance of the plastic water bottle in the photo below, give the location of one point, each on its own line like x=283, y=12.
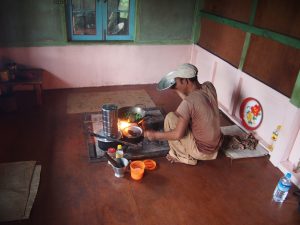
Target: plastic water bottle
x=282, y=188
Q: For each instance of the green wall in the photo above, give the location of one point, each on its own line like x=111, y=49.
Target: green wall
x=31, y=22
x=165, y=21
x=42, y=22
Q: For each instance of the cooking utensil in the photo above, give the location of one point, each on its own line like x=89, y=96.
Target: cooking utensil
x=110, y=120
x=110, y=139
x=112, y=161
x=104, y=143
x=166, y=82
x=120, y=171
x=133, y=134
x=132, y=114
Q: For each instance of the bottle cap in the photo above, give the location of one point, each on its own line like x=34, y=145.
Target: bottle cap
x=119, y=147
x=288, y=175
x=111, y=150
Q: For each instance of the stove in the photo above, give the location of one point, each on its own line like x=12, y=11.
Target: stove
x=143, y=149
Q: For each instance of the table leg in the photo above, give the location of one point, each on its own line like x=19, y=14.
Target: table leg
x=38, y=91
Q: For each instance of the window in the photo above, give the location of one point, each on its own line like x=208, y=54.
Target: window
x=101, y=19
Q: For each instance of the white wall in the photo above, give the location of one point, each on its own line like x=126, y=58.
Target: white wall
x=99, y=65
x=233, y=86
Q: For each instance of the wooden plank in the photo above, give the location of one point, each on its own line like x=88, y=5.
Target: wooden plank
x=222, y=40
x=274, y=64
x=290, y=41
x=279, y=16
x=233, y=9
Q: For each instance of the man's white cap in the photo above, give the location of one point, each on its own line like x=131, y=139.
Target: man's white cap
x=183, y=71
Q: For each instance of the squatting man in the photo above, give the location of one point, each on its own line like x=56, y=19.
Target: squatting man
x=193, y=130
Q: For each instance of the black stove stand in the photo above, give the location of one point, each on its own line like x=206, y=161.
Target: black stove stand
x=146, y=149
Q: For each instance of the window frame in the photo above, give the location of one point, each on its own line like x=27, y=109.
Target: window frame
x=101, y=24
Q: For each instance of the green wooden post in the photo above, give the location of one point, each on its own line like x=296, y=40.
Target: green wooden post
x=248, y=35
x=197, y=22
x=295, y=99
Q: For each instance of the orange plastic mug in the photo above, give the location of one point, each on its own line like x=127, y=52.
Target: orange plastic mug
x=137, y=169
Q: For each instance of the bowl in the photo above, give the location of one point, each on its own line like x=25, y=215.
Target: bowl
x=149, y=164
x=133, y=134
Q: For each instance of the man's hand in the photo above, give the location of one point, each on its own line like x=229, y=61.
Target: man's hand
x=150, y=135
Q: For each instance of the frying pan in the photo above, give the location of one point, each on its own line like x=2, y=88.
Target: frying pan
x=132, y=114
x=133, y=134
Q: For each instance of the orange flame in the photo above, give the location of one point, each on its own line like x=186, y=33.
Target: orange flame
x=123, y=124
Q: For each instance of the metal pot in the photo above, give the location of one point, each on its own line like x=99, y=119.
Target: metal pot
x=131, y=114
x=105, y=143
x=110, y=120
x=133, y=134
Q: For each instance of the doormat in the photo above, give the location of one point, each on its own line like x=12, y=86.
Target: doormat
x=92, y=122
x=233, y=130
x=93, y=101
x=19, y=182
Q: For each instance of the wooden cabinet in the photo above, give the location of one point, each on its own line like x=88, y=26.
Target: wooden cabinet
x=31, y=77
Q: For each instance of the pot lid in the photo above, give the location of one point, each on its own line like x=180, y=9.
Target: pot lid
x=166, y=82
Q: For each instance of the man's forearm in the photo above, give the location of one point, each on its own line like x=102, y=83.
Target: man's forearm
x=169, y=135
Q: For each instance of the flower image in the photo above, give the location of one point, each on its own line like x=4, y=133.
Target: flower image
x=251, y=113
x=255, y=109
x=249, y=117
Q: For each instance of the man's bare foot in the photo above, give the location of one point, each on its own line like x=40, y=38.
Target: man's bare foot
x=171, y=159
